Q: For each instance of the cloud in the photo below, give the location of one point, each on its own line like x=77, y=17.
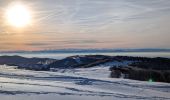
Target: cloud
x=95, y=23
x=68, y=42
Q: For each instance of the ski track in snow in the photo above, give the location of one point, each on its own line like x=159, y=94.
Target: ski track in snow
x=87, y=83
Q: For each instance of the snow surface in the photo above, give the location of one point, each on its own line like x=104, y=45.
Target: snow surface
x=76, y=84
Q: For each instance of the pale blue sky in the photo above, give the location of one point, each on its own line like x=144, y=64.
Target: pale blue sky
x=62, y=24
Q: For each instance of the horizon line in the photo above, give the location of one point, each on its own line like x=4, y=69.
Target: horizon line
x=94, y=50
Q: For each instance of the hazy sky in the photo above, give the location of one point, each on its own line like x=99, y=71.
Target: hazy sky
x=58, y=24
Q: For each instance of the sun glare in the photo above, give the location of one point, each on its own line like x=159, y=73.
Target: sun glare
x=18, y=15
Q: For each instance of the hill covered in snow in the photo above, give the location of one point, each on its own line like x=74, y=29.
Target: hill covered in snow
x=80, y=83
x=79, y=77
x=138, y=68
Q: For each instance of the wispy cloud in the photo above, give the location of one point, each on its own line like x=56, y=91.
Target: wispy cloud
x=90, y=23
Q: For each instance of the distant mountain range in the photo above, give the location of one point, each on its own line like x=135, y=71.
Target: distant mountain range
x=91, y=50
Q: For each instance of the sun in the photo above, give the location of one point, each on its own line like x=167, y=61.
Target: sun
x=18, y=15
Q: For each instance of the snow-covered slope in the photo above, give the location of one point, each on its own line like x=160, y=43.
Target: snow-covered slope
x=76, y=84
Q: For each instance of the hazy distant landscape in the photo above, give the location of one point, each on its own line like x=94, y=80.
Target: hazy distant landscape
x=59, y=54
